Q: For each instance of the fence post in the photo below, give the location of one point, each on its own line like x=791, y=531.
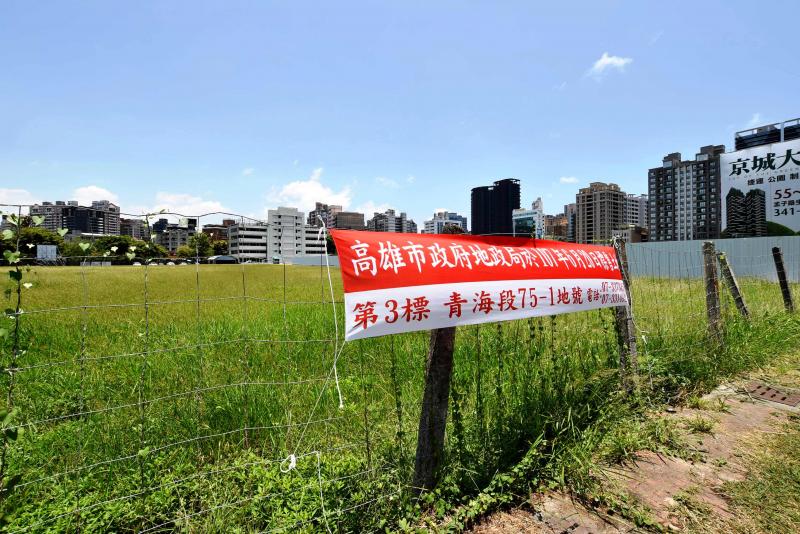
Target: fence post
x=777, y=255
x=624, y=325
x=433, y=419
x=733, y=285
x=712, y=291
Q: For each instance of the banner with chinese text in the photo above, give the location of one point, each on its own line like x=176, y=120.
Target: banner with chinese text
x=760, y=190
x=405, y=282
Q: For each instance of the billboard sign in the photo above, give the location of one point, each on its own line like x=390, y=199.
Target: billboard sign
x=760, y=190
x=396, y=282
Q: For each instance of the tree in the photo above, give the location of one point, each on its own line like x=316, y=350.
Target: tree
x=219, y=246
x=185, y=251
x=452, y=229
x=29, y=237
x=200, y=245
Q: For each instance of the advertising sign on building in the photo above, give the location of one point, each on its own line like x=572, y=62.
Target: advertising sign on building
x=397, y=282
x=761, y=190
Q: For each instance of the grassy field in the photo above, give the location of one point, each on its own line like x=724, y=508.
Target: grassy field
x=167, y=398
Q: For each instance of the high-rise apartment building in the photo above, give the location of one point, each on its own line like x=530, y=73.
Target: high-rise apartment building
x=102, y=217
x=599, y=212
x=637, y=211
x=778, y=132
x=571, y=213
x=323, y=213
x=685, y=196
x=746, y=214
x=441, y=219
x=390, y=221
x=492, y=207
x=136, y=228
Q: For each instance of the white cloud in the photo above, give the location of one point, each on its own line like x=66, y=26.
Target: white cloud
x=411, y=179
x=248, y=171
x=369, y=208
x=186, y=204
x=607, y=63
x=755, y=120
x=568, y=180
x=16, y=196
x=303, y=194
x=560, y=87
x=85, y=195
x=387, y=182
x=437, y=210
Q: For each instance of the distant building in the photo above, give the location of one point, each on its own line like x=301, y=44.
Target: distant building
x=634, y=234
x=286, y=232
x=177, y=235
x=746, y=214
x=390, y=221
x=323, y=214
x=599, y=212
x=248, y=241
x=571, y=213
x=526, y=222
x=348, y=220
x=102, y=217
x=441, y=219
x=218, y=232
x=492, y=207
x=555, y=227
x=637, y=211
x=685, y=196
x=136, y=228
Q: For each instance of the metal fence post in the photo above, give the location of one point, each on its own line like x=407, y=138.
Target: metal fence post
x=624, y=324
x=733, y=285
x=712, y=291
x=777, y=255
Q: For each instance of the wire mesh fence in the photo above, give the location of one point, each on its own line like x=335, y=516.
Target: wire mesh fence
x=155, y=398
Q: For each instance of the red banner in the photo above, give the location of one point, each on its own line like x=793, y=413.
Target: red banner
x=404, y=282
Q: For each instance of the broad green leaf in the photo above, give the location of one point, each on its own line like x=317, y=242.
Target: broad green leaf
x=8, y=235
x=27, y=285
x=132, y=248
x=84, y=246
x=11, y=257
x=15, y=275
x=114, y=249
x=62, y=231
x=37, y=220
x=130, y=256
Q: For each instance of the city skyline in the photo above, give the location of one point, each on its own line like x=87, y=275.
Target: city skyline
x=136, y=106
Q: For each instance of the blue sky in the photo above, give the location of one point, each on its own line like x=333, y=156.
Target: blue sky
x=196, y=106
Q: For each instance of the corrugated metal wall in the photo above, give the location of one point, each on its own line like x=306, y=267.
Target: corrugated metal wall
x=748, y=257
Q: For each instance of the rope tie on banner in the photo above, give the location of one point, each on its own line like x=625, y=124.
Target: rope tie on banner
x=322, y=234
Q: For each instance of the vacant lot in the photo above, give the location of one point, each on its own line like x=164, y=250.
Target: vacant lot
x=162, y=397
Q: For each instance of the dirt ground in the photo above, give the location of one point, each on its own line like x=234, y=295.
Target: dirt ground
x=671, y=489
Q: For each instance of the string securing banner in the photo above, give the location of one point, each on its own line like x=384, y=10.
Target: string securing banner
x=396, y=282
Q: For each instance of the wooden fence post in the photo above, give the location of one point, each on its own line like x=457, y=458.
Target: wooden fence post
x=624, y=325
x=712, y=291
x=433, y=419
x=777, y=255
x=733, y=285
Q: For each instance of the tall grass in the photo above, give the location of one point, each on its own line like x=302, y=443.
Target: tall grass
x=172, y=397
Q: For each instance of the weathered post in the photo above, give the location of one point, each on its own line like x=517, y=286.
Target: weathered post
x=433, y=419
x=733, y=285
x=712, y=291
x=777, y=255
x=624, y=325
